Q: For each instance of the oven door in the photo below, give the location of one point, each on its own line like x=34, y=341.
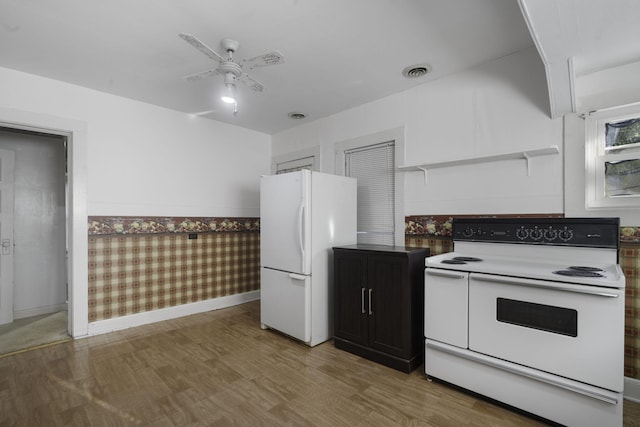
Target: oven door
x=575, y=331
x=445, y=306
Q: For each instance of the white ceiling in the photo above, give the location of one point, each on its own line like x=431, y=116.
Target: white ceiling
x=338, y=53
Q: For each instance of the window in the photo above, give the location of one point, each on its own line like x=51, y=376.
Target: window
x=373, y=167
x=295, y=165
x=613, y=157
x=308, y=158
x=391, y=145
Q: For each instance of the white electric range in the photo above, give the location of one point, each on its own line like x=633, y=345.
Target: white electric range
x=530, y=312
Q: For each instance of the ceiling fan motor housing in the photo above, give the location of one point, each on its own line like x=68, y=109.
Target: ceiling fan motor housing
x=230, y=45
x=230, y=67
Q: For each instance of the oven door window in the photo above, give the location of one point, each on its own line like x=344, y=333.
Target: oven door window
x=548, y=318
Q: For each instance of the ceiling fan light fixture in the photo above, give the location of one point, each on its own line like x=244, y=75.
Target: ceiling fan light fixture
x=229, y=94
x=230, y=68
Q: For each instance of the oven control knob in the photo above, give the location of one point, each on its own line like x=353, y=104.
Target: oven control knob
x=522, y=233
x=550, y=234
x=536, y=234
x=468, y=232
x=565, y=235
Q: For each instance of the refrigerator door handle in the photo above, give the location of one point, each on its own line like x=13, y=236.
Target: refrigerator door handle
x=300, y=231
x=295, y=276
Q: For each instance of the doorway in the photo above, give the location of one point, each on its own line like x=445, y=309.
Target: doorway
x=34, y=251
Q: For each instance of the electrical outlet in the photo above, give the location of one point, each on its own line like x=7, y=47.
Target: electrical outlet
x=193, y=236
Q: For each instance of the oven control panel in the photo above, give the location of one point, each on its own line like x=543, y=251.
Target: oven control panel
x=590, y=232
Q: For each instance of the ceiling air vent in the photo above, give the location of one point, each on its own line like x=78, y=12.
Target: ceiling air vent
x=418, y=70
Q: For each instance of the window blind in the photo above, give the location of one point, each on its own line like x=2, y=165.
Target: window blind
x=373, y=166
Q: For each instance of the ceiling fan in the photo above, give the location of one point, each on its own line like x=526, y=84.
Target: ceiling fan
x=232, y=70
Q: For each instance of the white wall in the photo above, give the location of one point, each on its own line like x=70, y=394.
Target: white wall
x=130, y=158
x=498, y=107
x=148, y=160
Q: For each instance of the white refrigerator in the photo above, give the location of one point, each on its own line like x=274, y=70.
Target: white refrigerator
x=303, y=214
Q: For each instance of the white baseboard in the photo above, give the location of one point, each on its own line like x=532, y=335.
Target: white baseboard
x=139, y=319
x=632, y=389
x=30, y=312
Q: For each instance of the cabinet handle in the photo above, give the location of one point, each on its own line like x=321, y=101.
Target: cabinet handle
x=370, y=311
x=362, y=300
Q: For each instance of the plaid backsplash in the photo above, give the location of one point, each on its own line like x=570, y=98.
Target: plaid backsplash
x=437, y=245
x=630, y=263
x=136, y=273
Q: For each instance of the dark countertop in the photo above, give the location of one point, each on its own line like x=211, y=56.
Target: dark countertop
x=382, y=248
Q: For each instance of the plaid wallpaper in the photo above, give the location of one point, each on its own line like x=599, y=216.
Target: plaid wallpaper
x=136, y=273
x=630, y=263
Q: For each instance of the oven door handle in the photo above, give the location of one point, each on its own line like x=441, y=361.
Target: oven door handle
x=545, y=285
x=446, y=273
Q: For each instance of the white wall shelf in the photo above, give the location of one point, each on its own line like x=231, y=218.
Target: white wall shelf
x=523, y=154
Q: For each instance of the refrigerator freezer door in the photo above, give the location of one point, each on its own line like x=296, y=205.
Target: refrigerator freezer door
x=285, y=222
x=285, y=303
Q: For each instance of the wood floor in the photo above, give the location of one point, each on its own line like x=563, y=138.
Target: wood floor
x=219, y=368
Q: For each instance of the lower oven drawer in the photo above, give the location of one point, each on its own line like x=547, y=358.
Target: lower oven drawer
x=575, y=331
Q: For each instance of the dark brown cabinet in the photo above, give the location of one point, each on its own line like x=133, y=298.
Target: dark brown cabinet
x=378, y=303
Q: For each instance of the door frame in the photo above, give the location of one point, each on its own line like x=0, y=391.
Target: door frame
x=77, y=230
x=397, y=136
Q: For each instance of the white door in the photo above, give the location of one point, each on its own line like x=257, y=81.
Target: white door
x=7, y=166
x=285, y=303
x=285, y=222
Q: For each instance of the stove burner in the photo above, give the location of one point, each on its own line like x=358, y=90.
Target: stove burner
x=584, y=268
x=578, y=273
x=453, y=261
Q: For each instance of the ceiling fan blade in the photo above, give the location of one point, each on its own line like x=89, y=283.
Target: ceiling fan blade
x=252, y=83
x=271, y=58
x=193, y=41
x=201, y=75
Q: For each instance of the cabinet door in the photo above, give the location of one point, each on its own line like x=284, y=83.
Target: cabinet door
x=390, y=309
x=350, y=289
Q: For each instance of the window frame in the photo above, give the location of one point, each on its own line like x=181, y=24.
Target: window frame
x=398, y=136
x=378, y=227
x=303, y=156
x=596, y=155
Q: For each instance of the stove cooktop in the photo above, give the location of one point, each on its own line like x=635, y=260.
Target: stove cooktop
x=603, y=275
